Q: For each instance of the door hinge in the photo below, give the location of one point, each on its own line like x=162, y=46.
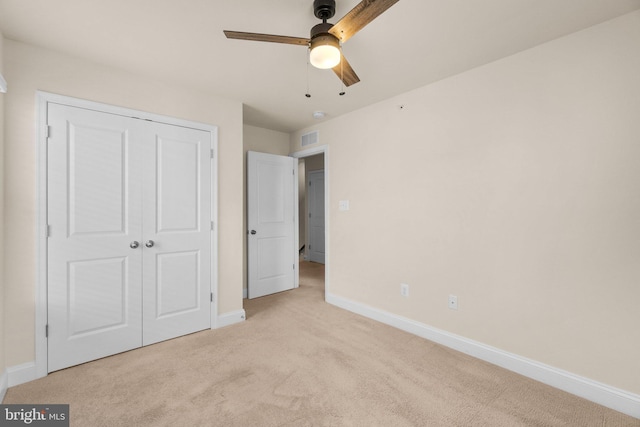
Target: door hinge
x=46, y=330
x=213, y=226
x=48, y=131
x=309, y=183
x=48, y=231
x=293, y=172
x=294, y=266
x=211, y=296
x=213, y=153
x=309, y=214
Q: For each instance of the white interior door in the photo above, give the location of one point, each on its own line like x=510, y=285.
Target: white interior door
x=177, y=232
x=315, y=196
x=129, y=248
x=271, y=206
x=94, y=206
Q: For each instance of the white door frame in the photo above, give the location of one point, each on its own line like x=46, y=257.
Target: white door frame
x=321, y=149
x=42, y=101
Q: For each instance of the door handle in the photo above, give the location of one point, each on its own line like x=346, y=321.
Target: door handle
x=253, y=231
x=134, y=244
x=149, y=243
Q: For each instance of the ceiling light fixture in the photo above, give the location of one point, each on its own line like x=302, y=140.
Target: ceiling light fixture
x=324, y=49
x=325, y=44
x=319, y=115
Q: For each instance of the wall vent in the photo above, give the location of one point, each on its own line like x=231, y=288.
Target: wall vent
x=310, y=138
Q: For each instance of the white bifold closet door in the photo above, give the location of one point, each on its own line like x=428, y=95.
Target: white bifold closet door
x=129, y=247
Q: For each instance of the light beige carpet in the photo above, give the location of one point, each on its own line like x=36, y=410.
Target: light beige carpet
x=298, y=361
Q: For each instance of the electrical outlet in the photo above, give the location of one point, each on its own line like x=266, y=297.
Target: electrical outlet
x=453, y=302
x=404, y=290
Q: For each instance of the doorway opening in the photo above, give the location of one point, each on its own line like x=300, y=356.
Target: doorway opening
x=312, y=219
x=276, y=209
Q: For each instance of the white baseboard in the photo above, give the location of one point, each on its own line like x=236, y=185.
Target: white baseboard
x=231, y=318
x=21, y=374
x=611, y=397
x=4, y=384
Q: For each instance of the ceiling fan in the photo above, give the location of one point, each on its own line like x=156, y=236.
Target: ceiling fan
x=326, y=38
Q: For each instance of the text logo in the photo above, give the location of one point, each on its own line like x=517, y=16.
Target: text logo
x=34, y=415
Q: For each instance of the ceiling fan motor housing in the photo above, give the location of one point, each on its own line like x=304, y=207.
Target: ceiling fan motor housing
x=320, y=35
x=324, y=9
x=321, y=29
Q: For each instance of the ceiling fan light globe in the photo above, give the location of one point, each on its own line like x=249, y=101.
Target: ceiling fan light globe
x=325, y=48
x=324, y=56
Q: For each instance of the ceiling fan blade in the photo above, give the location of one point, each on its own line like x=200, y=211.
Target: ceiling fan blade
x=345, y=73
x=266, y=38
x=358, y=17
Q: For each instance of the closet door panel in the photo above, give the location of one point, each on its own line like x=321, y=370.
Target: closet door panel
x=177, y=233
x=178, y=170
x=94, y=211
x=130, y=232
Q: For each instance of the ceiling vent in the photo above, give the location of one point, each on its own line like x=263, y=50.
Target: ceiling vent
x=310, y=138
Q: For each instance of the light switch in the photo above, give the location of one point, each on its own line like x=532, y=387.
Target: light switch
x=344, y=205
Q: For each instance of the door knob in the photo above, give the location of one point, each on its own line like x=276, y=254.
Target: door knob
x=253, y=231
x=134, y=245
x=149, y=243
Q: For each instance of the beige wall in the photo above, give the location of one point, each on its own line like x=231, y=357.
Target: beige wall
x=29, y=69
x=2, y=322
x=263, y=141
x=513, y=186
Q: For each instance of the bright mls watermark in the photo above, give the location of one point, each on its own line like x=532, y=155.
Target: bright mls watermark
x=34, y=415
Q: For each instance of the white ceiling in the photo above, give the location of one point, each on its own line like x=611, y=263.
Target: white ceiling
x=414, y=43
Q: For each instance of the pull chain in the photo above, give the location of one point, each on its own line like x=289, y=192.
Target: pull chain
x=342, y=92
x=308, y=95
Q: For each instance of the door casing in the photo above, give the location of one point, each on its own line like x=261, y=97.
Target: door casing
x=43, y=99
x=321, y=149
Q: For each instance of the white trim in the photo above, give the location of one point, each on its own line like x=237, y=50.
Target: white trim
x=4, y=384
x=231, y=318
x=3, y=89
x=244, y=293
x=611, y=397
x=122, y=111
x=321, y=149
x=214, y=229
x=21, y=374
x=296, y=226
x=41, y=347
x=42, y=101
